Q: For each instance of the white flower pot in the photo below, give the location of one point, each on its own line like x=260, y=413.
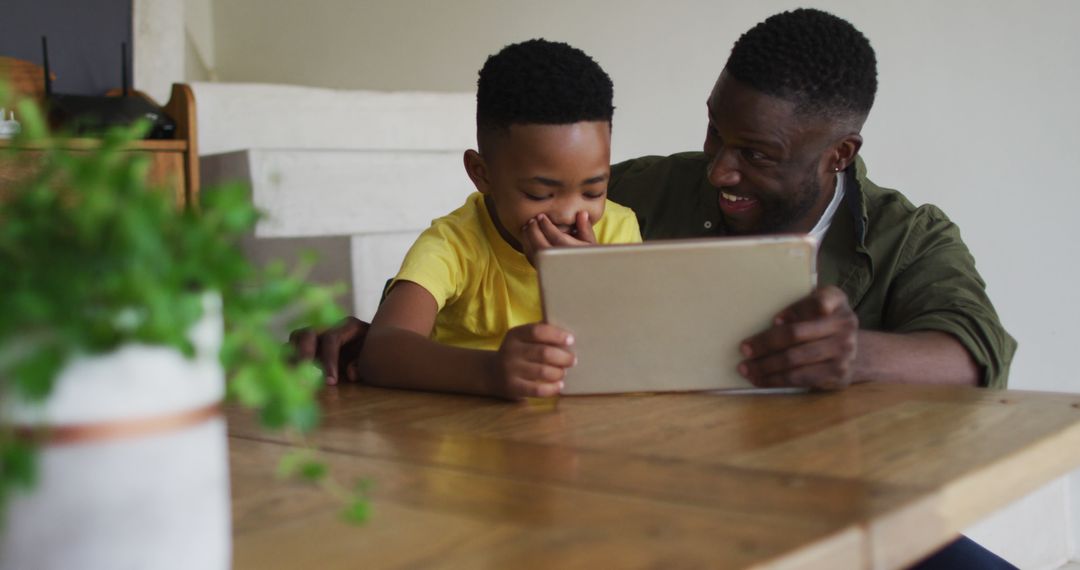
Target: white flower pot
x=135, y=473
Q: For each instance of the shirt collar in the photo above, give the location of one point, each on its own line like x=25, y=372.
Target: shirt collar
x=822, y=225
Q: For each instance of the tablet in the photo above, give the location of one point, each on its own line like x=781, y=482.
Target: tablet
x=668, y=316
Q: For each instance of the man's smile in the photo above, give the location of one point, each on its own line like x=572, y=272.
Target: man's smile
x=732, y=204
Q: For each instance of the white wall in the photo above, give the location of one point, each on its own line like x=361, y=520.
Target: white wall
x=158, y=35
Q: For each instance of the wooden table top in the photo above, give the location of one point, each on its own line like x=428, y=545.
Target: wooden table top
x=872, y=477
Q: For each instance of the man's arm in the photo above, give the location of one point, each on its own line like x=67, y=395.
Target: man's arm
x=816, y=343
x=926, y=357
x=398, y=353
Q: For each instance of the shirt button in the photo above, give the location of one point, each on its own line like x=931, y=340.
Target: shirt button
x=708, y=225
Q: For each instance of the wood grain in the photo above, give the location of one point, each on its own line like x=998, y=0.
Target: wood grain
x=872, y=477
x=165, y=168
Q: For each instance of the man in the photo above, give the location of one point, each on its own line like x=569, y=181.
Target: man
x=900, y=298
x=780, y=156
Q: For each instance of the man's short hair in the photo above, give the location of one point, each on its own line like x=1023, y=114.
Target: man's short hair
x=812, y=58
x=541, y=82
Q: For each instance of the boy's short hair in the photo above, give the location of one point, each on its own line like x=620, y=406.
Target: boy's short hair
x=542, y=83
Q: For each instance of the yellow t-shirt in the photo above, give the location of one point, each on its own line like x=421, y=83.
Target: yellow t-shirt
x=483, y=286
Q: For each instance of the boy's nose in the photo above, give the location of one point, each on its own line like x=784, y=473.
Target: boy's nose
x=563, y=218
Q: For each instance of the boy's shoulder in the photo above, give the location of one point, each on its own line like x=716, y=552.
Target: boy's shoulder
x=463, y=224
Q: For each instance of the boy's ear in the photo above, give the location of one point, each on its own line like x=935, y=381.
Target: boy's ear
x=477, y=170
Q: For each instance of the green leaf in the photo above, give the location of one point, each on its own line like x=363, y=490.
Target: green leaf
x=357, y=512
x=35, y=374
x=313, y=471
x=290, y=462
x=18, y=463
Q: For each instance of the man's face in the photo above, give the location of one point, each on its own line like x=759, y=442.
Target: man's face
x=768, y=162
x=556, y=170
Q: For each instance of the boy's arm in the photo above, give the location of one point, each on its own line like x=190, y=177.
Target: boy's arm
x=398, y=353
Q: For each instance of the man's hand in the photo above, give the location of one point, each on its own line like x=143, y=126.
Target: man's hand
x=541, y=233
x=335, y=350
x=812, y=344
x=531, y=362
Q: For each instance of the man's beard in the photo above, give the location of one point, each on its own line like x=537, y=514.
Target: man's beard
x=780, y=213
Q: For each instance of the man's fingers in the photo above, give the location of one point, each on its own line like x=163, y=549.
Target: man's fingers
x=839, y=348
x=819, y=303
x=329, y=349
x=780, y=337
x=829, y=375
x=350, y=331
x=304, y=342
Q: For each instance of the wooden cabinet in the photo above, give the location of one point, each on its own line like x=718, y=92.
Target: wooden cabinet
x=174, y=164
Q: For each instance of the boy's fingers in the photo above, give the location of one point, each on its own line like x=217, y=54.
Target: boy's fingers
x=552, y=233
x=553, y=355
x=534, y=235
x=534, y=372
x=538, y=389
x=545, y=334
x=584, y=228
x=557, y=237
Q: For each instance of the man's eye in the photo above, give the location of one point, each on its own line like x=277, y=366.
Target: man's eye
x=754, y=155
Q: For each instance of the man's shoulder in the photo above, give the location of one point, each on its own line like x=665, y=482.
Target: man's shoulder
x=890, y=208
x=639, y=182
x=656, y=164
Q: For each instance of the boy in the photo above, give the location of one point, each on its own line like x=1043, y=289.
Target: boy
x=463, y=313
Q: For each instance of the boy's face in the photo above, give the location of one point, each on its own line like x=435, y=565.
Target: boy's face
x=556, y=170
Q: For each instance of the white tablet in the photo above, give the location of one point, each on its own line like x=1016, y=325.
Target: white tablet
x=669, y=315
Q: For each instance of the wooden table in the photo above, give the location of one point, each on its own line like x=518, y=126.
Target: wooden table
x=873, y=477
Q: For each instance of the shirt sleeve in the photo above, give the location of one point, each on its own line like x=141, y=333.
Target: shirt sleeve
x=938, y=288
x=435, y=262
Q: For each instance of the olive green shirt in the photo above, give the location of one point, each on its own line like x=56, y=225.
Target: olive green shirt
x=903, y=268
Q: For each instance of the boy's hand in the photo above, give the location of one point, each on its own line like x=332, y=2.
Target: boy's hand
x=532, y=361
x=541, y=233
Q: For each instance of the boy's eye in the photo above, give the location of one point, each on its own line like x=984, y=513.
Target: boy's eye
x=593, y=195
x=535, y=198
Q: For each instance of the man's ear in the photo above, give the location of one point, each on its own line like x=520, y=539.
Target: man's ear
x=844, y=151
x=477, y=170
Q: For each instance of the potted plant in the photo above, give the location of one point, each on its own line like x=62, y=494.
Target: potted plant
x=120, y=318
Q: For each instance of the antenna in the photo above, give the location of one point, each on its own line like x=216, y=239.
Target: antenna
x=124, y=69
x=45, y=57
